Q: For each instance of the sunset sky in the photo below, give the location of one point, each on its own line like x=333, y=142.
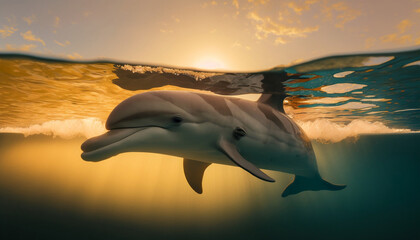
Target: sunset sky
x=236, y=35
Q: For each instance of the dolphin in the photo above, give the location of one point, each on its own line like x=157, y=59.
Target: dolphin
x=205, y=129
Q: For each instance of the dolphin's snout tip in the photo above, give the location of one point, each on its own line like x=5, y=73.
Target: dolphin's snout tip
x=104, y=146
x=89, y=145
x=87, y=148
x=90, y=157
x=85, y=156
x=84, y=146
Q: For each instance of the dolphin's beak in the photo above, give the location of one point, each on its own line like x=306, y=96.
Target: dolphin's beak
x=102, y=146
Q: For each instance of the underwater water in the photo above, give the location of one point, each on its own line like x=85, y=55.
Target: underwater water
x=362, y=113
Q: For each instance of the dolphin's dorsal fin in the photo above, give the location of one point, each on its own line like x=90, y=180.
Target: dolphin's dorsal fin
x=274, y=90
x=194, y=171
x=273, y=100
x=231, y=152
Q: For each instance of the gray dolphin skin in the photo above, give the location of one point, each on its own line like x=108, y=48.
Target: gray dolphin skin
x=205, y=129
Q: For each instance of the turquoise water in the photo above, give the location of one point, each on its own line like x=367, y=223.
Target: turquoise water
x=361, y=112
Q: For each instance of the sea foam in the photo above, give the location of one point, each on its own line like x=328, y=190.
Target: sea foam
x=321, y=130
x=326, y=131
x=198, y=75
x=66, y=129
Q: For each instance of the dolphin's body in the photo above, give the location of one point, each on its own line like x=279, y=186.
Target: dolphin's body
x=205, y=129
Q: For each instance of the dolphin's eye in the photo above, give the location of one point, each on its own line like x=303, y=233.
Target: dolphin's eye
x=177, y=119
x=238, y=133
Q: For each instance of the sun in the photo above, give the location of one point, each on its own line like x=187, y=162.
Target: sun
x=209, y=63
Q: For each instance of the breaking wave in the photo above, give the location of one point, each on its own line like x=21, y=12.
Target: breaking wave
x=198, y=75
x=321, y=130
x=326, y=131
x=66, y=129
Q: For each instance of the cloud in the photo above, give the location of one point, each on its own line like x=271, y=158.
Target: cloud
x=57, y=22
x=340, y=13
x=29, y=36
x=235, y=3
x=74, y=55
x=397, y=38
x=29, y=20
x=400, y=37
x=280, y=40
x=404, y=25
x=87, y=13
x=62, y=44
x=266, y=27
x=258, y=2
x=24, y=47
x=296, y=19
x=237, y=44
x=7, y=31
x=166, y=30
x=370, y=42
x=298, y=8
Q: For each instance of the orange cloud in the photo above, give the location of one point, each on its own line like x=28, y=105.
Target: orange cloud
x=235, y=3
x=404, y=25
x=280, y=40
x=299, y=8
x=7, y=31
x=29, y=20
x=24, y=47
x=258, y=2
x=57, y=22
x=62, y=44
x=266, y=27
x=237, y=44
x=340, y=13
x=370, y=42
x=29, y=36
x=400, y=37
x=166, y=30
x=396, y=38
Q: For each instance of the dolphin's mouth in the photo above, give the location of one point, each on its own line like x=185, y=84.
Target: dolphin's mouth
x=99, y=147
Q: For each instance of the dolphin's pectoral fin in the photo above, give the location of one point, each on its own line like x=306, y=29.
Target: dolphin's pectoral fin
x=300, y=184
x=194, y=171
x=231, y=151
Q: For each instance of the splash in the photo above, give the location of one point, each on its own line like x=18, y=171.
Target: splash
x=326, y=131
x=66, y=129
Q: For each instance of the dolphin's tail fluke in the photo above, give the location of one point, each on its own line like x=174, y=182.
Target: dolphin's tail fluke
x=301, y=184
